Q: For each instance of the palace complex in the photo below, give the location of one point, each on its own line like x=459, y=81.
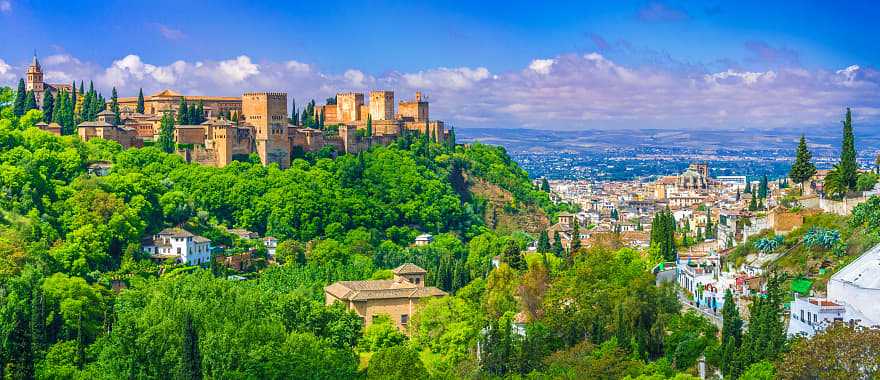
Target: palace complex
x=255, y=122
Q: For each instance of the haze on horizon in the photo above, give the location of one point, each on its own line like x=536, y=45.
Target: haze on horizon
x=654, y=64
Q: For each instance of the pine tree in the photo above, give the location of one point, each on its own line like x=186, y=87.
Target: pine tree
x=192, y=358
x=48, y=106
x=543, y=242
x=82, y=92
x=166, y=133
x=86, y=107
x=18, y=106
x=748, y=189
x=848, y=165
x=182, y=113
x=200, y=111
x=114, y=105
x=545, y=185
x=369, y=125
x=30, y=102
x=140, y=101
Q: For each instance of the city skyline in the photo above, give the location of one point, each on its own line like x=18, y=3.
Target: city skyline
x=633, y=65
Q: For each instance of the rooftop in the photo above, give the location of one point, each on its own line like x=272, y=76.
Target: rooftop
x=409, y=268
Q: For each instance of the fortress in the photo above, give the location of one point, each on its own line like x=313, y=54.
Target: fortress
x=256, y=122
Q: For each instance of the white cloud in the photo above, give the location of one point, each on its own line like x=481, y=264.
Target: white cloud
x=298, y=67
x=445, y=78
x=238, y=69
x=747, y=77
x=6, y=72
x=542, y=66
x=355, y=77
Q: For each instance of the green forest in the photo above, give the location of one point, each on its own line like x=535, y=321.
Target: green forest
x=68, y=236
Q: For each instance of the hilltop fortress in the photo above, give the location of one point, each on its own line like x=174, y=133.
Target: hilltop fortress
x=256, y=122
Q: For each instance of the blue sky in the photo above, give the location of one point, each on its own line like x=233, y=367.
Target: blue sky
x=576, y=64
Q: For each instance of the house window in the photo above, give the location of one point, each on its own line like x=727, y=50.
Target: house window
x=178, y=250
x=802, y=314
x=404, y=319
x=816, y=318
x=417, y=280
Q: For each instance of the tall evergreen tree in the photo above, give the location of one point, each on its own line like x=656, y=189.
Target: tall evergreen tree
x=200, y=111
x=543, y=242
x=557, y=245
x=748, y=189
x=18, y=106
x=192, y=357
x=575, y=236
x=82, y=91
x=763, y=187
x=753, y=204
x=57, y=109
x=30, y=102
x=369, y=125
x=545, y=185
x=182, y=112
x=114, y=105
x=48, y=106
x=848, y=165
x=140, y=101
x=73, y=92
x=166, y=133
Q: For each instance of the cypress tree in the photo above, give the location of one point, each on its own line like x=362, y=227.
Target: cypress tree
x=166, y=133
x=753, y=204
x=73, y=91
x=18, y=106
x=48, y=106
x=82, y=92
x=140, y=101
x=86, y=107
x=30, y=102
x=201, y=112
x=182, y=113
x=748, y=189
x=557, y=245
x=545, y=185
x=56, y=111
x=369, y=125
x=114, y=105
x=192, y=358
x=575, y=236
x=848, y=165
x=543, y=242
x=763, y=187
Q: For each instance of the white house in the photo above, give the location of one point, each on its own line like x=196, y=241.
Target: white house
x=178, y=244
x=423, y=239
x=271, y=243
x=853, y=294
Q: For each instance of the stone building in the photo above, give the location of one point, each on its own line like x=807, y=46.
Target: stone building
x=168, y=100
x=105, y=127
x=34, y=82
x=398, y=298
x=267, y=113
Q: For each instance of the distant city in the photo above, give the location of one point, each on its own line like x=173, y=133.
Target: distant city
x=618, y=155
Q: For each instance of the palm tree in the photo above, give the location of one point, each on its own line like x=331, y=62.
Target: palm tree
x=834, y=183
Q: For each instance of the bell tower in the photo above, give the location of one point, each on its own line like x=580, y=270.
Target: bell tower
x=34, y=80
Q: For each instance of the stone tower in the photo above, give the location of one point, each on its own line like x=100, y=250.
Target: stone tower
x=34, y=81
x=348, y=106
x=382, y=105
x=224, y=136
x=267, y=113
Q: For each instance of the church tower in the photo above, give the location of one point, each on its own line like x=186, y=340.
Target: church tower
x=34, y=80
